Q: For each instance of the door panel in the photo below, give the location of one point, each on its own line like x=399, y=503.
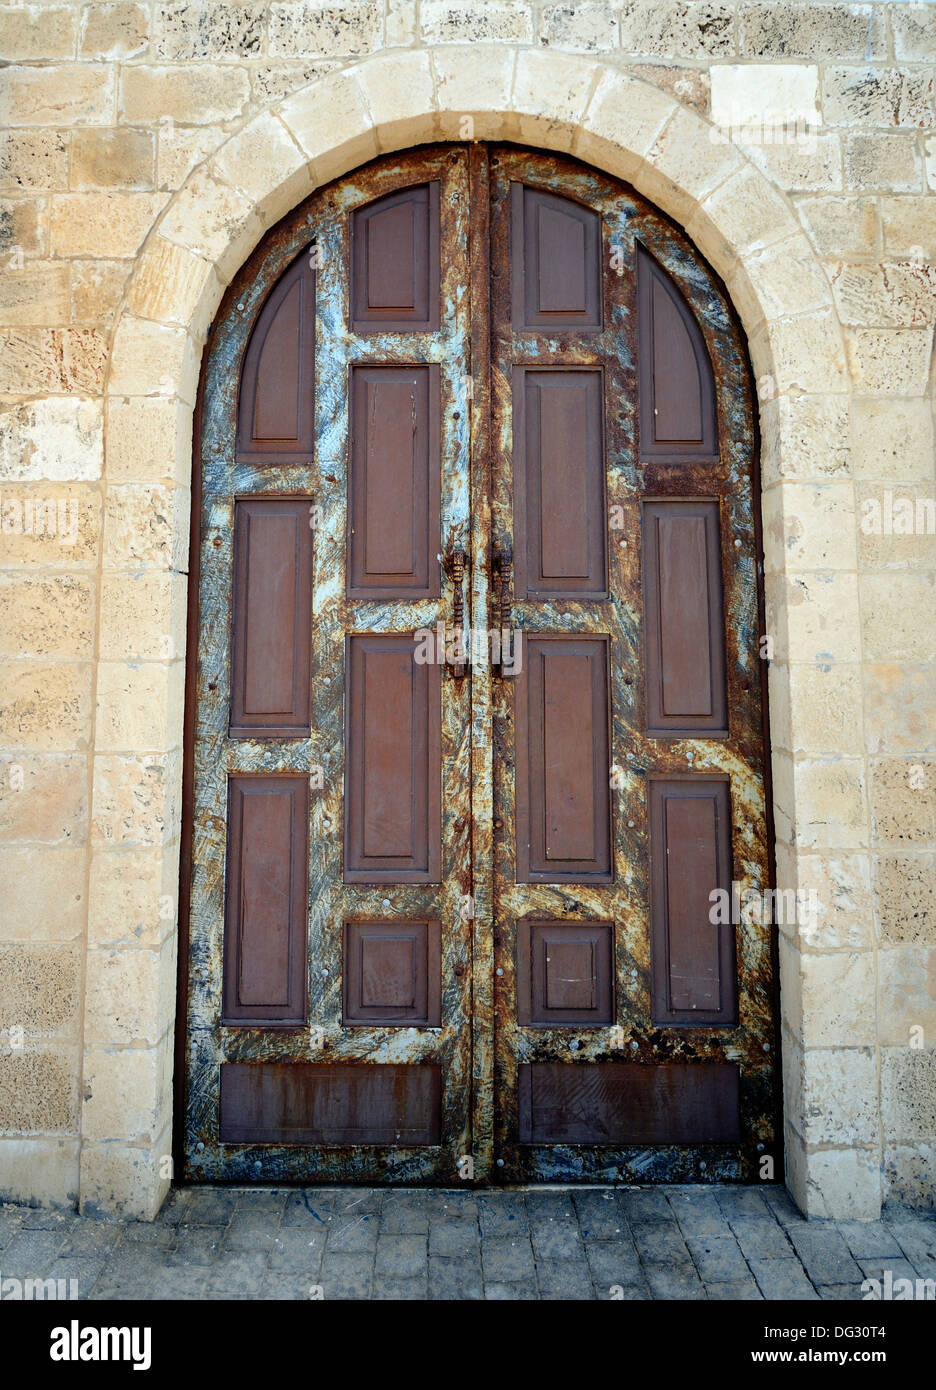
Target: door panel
x=449, y=907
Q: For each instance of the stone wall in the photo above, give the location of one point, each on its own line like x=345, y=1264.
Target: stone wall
x=146, y=147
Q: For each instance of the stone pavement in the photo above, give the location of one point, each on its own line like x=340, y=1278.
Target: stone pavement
x=547, y=1243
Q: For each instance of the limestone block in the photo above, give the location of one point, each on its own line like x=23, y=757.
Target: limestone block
x=129, y=994
x=103, y=224
x=812, y=165
x=908, y=1173
x=171, y=284
x=838, y=999
x=314, y=30
x=914, y=29
x=901, y=293
x=843, y=1184
x=880, y=97
x=840, y=1102
x=897, y=528
x=897, y=617
x=841, y=226
x=265, y=164
x=332, y=124
x=40, y=988
x=885, y=161
x=550, y=99
x=826, y=709
x=47, y=616
x=133, y=896
x=475, y=82
x=44, y=896
x=52, y=359
x=127, y=1092
x=97, y=287
x=400, y=93
x=908, y=1093
x=113, y=31
x=180, y=149
x=116, y=158
x=781, y=30
x=73, y=543
x=890, y=361
x=37, y=292
x=622, y=122
x=831, y=812
x=808, y=354
x=892, y=439
x=142, y=616
x=821, y=612
x=125, y=1179
x=33, y=159
x=899, y=708
x=152, y=359
x=67, y=95
x=136, y=800
x=28, y=34
x=905, y=898
x=149, y=439
x=841, y=883
x=903, y=803
x=46, y=708
x=907, y=999
x=585, y=28
x=43, y=797
x=190, y=94
x=214, y=221
x=39, y=1089
x=185, y=33
x=42, y=1172
x=139, y=707
x=805, y=437
x=24, y=225
x=678, y=28
x=909, y=225
x=462, y=21
x=56, y=439
x=146, y=527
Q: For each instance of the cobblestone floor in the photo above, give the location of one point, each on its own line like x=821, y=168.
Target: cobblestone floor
x=687, y=1242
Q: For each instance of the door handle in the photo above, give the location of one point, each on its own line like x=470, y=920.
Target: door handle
x=456, y=568
x=500, y=586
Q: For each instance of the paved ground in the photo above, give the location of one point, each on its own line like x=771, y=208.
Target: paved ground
x=688, y=1242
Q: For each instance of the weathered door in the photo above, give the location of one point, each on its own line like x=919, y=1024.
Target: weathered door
x=448, y=916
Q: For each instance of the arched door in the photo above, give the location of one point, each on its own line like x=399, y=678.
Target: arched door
x=476, y=751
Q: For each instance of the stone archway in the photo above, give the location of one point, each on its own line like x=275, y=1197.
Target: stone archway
x=749, y=234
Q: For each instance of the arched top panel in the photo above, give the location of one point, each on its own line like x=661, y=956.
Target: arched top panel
x=395, y=267
x=275, y=406
x=555, y=262
x=677, y=386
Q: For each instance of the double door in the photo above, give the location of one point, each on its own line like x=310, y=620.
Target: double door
x=476, y=740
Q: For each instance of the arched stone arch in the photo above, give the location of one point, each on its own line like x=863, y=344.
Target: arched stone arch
x=627, y=127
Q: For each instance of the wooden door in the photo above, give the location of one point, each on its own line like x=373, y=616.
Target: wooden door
x=446, y=910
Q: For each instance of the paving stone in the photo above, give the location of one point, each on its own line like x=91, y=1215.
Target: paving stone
x=614, y=1262
x=78, y=1275
x=346, y=1276
x=782, y=1205
x=850, y=1293
x=698, y=1214
x=353, y=1235
x=148, y=1233
x=298, y=1250
x=743, y=1201
x=406, y=1213
x=674, y=1281
x=288, y=1287
x=41, y=1219
x=356, y=1202
x=30, y=1253
x=760, y=1240
x=504, y=1293
x=177, y=1204
x=918, y=1241
x=869, y=1240
x=718, y=1258
x=395, y=1289
x=455, y=1278
x=452, y=1236
x=131, y=1272
x=660, y=1242
x=92, y=1237
x=307, y=1208
x=626, y=1293
x=267, y=1201
x=734, y=1290
x=236, y=1273
x=645, y=1206
x=403, y=1257
x=207, y=1207
x=503, y=1215
x=191, y=1283
x=507, y=1261
x=559, y=1240
x=782, y=1279
x=196, y=1245
x=11, y=1221
x=250, y=1231
x=601, y=1215
x=824, y=1254
x=448, y=1202
x=560, y=1279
